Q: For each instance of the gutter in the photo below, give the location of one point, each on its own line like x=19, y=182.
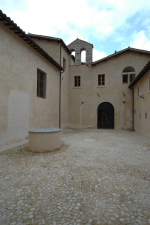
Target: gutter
x=132, y=109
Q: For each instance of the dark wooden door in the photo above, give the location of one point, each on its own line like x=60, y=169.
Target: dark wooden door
x=105, y=116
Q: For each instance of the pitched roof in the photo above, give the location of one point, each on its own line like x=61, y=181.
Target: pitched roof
x=48, y=38
x=121, y=52
x=17, y=30
x=82, y=41
x=140, y=75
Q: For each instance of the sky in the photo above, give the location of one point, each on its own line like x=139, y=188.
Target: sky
x=107, y=24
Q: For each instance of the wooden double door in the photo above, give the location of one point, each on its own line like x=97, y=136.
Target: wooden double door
x=105, y=116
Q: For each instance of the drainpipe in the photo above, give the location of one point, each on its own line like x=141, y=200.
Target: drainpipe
x=60, y=91
x=132, y=109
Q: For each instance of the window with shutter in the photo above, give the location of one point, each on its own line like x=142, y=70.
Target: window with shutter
x=41, y=84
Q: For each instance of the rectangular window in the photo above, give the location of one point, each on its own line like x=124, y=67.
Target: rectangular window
x=138, y=91
x=64, y=63
x=139, y=115
x=77, y=81
x=125, y=78
x=145, y=115
x=101, y=79
x=132, y=76
x=41, y=84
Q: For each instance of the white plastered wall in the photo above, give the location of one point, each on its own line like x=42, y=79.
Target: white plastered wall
x=85, y=115
x=20, y=108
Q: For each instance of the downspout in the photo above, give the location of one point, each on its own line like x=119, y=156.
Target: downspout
x=60, y=91
x=132, y=109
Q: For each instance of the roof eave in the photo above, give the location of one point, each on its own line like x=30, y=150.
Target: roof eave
x=59, y=40
x=116, y=54
x=140, y=75
x=13, y=26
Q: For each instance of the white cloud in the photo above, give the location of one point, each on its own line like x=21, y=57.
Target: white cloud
x=73, y=36
x=98, y=55
x=79, y=19
x=141, y=41
x=48, y=16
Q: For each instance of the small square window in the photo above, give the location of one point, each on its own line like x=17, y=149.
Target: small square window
x=41, y=84
x=132, y=76
x=101, y=79
x=77, y=81
x=125, y=78
x=145, y=115
x=64, y=63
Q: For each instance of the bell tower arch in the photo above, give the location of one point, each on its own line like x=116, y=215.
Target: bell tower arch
x=78, y=46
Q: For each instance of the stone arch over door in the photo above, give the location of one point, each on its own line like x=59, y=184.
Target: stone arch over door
x=105, y=116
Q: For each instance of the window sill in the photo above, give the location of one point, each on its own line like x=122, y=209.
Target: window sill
x=41, y=97
x=77, y=87
x=103, y=86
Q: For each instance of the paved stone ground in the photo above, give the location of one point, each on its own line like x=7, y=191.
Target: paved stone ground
x=97, y=177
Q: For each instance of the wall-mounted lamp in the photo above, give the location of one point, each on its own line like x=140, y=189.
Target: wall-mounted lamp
x=82, y=101
x=141, y=96
x=124, y=100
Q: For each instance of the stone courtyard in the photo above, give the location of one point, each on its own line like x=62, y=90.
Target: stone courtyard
x=97, y=177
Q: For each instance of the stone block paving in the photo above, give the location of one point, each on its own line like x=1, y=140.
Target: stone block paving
x=97, y=177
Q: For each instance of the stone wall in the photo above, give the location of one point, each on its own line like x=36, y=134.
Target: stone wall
x=79, y=45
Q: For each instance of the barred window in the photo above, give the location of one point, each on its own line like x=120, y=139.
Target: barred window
x=41, y=84
x=101, y=79
x=77, y=81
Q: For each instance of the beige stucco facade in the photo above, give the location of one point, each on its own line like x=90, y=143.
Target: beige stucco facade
x=21, y=109
x=142, y=106
x=53, y=49
x=85, y=115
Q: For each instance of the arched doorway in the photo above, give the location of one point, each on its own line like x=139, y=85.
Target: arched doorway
x=105, y=116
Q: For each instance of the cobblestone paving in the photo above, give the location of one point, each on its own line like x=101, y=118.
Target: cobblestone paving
x=97, y=177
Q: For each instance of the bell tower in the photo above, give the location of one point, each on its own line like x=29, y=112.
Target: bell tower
x=78, y=46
